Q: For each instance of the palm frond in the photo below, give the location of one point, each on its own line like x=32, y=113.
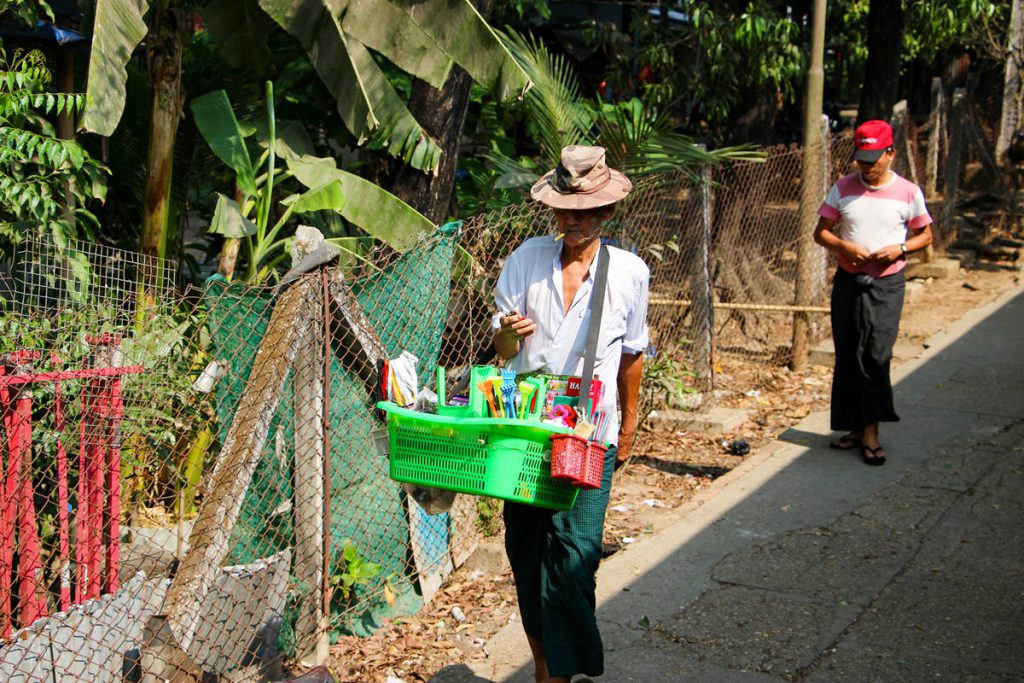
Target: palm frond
x=555, y=113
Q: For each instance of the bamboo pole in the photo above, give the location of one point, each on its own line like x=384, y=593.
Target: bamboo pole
x=739, y=306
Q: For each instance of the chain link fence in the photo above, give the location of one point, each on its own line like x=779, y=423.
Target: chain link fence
x=192, y=483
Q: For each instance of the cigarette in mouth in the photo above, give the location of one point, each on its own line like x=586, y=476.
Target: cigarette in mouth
x=559, y=236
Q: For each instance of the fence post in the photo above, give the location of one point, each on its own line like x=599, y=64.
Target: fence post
x=1009, y=122
x=308, y=382
x=810, y=194
x=935, y=121
x=821, y=270
x=701, y=293
x=901, y=123
x=953, y=162
x=810, y=270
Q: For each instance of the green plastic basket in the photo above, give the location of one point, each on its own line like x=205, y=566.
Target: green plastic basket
x=497, y=457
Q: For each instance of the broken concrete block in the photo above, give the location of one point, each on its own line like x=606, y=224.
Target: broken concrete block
x=713, y=422
x=940, y=268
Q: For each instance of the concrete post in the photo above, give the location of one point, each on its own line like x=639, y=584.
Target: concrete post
x=308, y=379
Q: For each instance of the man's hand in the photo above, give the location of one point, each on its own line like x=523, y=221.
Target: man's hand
x=624, y=449
x=514, y=328
x=886, y=255
x=857, y=254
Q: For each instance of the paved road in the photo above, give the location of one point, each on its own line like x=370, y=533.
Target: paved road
x=804, y=564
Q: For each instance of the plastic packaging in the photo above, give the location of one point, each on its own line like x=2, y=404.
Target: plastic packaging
x=433, y=501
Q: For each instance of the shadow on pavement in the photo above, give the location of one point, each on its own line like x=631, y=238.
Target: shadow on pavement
x=810, y=566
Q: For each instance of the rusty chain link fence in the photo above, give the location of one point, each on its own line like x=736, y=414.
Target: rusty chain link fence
x=193, y=484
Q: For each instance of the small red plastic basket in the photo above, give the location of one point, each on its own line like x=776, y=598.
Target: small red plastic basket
x=577, y=461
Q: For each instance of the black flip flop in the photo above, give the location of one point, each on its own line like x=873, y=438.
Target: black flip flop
x=845, y=443
x=874, y=459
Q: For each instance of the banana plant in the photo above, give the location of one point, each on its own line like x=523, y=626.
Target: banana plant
x=253, y=220
x=423, y=38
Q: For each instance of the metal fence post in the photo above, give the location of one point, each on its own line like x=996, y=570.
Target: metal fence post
x=702, y=294
x=953, y=163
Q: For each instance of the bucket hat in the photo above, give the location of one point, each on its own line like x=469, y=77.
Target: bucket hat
x=870, y=140
x=582, y=180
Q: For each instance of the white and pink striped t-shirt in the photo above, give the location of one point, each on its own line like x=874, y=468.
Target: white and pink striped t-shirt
x=875, y=217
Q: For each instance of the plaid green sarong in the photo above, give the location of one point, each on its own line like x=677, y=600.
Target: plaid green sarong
x=554, y=558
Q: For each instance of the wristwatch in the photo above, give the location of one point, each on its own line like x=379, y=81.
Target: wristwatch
x=903, y=248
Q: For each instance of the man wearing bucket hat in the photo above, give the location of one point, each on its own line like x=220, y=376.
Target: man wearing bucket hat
x=543, y=302
x=870, y=220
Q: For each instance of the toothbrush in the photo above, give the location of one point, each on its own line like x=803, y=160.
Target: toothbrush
x=485, y=389
x=526, y=391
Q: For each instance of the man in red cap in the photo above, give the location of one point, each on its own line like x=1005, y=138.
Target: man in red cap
x=870, y=220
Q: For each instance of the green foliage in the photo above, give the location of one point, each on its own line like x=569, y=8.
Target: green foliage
x=488, y=516
x=26, y=11
x=666, y=380
x=716, y=60
x=932, y=28
x=263, y=220
x=356, y=571
x=39, y=172
x=507, y=12
x=639, y=139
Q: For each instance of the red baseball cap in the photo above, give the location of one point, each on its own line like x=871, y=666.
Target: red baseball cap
x=871, y=139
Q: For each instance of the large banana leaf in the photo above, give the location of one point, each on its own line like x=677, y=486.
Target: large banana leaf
x=239, y=29
x=398, y=130
x=463, y=34
x=228, y=220
x=378, y=212
x=219, y=127
x=382, y=26
x=366, y=101
x=327, y=197
x=320, y=35
x=118, y=27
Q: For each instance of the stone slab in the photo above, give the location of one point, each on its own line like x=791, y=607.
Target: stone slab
x=940, y=268
x=713, y=422
x=913, y=291
x=822, y=353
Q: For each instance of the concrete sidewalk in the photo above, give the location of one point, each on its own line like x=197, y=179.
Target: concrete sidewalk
x=804, y=564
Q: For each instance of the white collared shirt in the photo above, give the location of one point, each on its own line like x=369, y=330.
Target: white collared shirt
x=531, y=283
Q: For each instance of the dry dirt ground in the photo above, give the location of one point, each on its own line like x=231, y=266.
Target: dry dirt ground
x=669, y=468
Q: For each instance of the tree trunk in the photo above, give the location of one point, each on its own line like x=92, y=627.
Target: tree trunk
x=442, y=114
x=1010, y=122
x=165, y=41
x=880, y=90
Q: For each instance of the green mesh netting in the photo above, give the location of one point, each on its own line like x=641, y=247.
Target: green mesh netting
x=407, y=303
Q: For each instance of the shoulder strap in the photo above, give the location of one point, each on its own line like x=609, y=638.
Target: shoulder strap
x=596, y=309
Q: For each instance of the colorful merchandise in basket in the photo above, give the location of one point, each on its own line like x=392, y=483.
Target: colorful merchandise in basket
x=499, y=440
